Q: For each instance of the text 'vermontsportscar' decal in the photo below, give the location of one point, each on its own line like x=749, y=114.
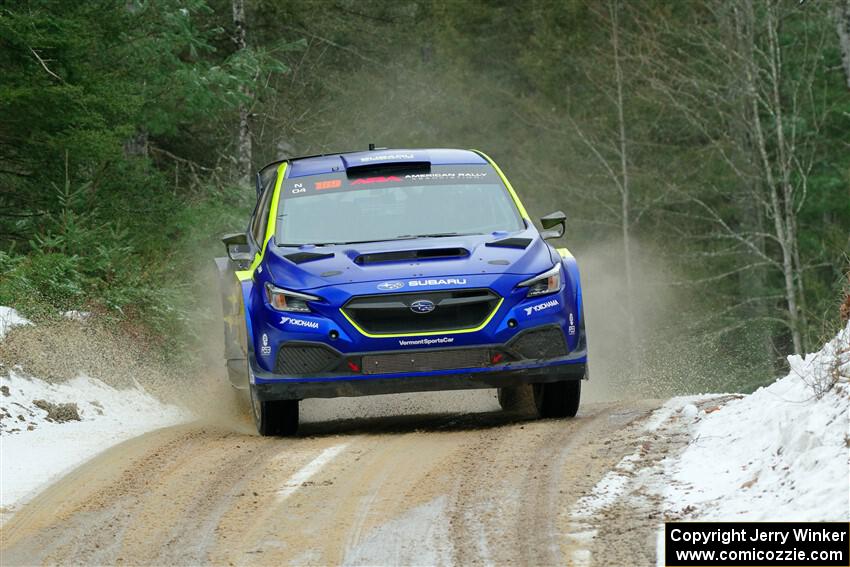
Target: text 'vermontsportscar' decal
x=421, y=342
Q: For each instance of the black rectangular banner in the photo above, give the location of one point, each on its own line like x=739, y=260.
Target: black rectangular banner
x=757, y=544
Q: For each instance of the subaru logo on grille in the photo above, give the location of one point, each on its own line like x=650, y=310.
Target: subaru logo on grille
x=422, y=306
x=389, y=286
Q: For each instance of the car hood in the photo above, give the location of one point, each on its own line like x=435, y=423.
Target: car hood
x=311, y=267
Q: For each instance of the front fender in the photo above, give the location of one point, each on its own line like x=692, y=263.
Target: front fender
x=235, y=291
x=571, y=268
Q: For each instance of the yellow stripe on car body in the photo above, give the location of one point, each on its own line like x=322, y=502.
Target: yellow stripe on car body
x=271, y=225
x=507, y=183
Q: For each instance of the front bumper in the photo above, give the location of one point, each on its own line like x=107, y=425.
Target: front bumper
x=373, y=385
x=336, y=383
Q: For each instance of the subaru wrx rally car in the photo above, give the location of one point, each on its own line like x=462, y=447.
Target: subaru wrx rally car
x=391, y=271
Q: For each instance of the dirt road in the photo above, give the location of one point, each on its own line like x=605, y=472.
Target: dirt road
x=474, y=488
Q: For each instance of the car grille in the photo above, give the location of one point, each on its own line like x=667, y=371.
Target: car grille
x=391, y=313
x=424, y=361
x=305, y=359
x=547, y=342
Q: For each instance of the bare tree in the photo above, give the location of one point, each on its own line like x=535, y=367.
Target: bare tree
x=243, y=143
x=742, y=85
x=841, y=13
x=623, y=183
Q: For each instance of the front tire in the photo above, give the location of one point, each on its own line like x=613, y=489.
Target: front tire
x=557, y=399
x=274, y=418
x=512, y=398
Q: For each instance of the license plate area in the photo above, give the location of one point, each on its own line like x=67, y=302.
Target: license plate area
x=425, y=361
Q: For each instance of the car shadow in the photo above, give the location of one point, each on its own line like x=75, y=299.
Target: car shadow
x=414, y=423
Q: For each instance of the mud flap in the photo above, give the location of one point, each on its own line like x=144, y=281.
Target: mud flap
x=233, y=311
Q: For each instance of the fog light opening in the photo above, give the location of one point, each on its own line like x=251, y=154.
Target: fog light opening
x=334, y=335
x=512, y=323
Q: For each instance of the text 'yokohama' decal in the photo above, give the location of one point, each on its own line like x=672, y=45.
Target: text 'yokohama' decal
x=293, y=322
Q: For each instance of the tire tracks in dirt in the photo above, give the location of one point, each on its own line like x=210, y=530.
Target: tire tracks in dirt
x=477, y=488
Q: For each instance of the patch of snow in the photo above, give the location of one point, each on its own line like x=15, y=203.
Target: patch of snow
x=659, y=547
x=79, y=316
x=36, y=449
x=673, y=406
x=10, y=318
x=690, y=411
x=607, y=490
x=778, y=454
x=627, y=475
x=418, y=537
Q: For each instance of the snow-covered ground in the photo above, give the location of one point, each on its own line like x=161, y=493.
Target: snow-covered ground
x=780, y=453
x=48, y=429
x=10, y=318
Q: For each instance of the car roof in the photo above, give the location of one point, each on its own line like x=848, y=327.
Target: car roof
x=335, y=162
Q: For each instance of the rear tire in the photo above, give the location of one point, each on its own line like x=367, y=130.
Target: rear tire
x=557, y=399
x=274, y=418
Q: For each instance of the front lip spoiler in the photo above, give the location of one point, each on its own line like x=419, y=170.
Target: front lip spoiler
x=270, y=386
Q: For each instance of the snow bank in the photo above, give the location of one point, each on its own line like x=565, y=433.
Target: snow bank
x=780, y=453
x=48, y=429
x=10, y=318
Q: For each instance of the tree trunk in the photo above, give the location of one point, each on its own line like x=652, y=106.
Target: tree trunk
x=785, y=151
x=625, y=188
x=243, y=142
x=842, y=25
x=752, y=283
x=780, y=196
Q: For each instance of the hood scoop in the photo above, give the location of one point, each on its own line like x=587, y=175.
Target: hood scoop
x=301, y=257
x=521, y=243
x=405, y=255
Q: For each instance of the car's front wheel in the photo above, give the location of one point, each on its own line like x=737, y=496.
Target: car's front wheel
x=557, y=399
x=276, y=418
x=512, y=398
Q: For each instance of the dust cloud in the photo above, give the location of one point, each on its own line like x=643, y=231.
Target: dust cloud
x=645, y=342
x=638, y=350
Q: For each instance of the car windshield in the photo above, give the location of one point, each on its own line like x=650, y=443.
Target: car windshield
x=443, y=201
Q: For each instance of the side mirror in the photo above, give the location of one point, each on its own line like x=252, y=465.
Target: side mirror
x=237, y=247
x=551, y=221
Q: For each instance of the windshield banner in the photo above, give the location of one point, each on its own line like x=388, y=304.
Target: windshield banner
x=435, y=175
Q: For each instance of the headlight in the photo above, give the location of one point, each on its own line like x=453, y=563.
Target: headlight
x=547, y=282
x=285, y=300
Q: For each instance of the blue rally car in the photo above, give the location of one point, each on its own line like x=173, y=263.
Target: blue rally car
x=398, y=270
